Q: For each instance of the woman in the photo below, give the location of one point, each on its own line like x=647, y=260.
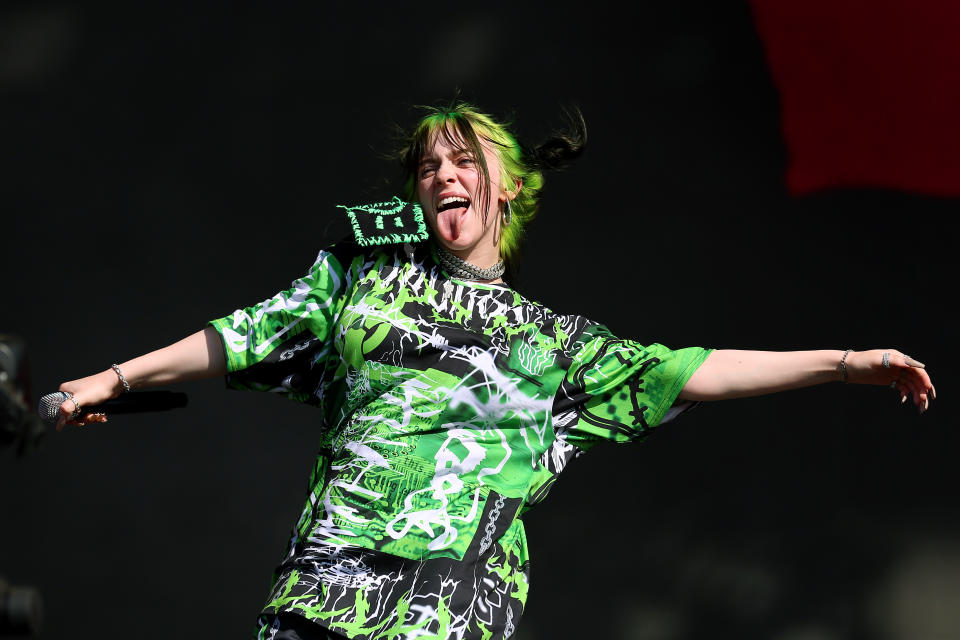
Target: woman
x=448, y=402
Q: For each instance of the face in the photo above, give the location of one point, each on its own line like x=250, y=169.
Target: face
x=451, y=188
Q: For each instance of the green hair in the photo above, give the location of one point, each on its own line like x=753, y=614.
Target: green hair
x=462, y=125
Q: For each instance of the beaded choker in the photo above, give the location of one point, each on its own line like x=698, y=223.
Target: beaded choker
x=463, y=270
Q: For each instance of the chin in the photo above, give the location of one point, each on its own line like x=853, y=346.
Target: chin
x=460, y=244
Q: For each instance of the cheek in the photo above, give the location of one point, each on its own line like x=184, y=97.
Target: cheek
x=423, y=197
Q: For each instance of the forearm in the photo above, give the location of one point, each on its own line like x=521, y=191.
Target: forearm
x=197, y=356
x=732, y=373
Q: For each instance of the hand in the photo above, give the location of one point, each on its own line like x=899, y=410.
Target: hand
x=908, y=376
x=88, y=392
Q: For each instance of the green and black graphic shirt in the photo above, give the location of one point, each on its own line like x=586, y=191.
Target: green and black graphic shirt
x=446, y=409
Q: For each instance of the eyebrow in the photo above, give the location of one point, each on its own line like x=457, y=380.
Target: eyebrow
x=457, y=152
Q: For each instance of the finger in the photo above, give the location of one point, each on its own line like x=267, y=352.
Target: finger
x=903, y=390
x=910, y=387
x=64, y=418
x=904, y=377
x=921, y=374
x=919, y=396
x=922, y=402
x=69, y=409
x=920, y=381
x=910, y=362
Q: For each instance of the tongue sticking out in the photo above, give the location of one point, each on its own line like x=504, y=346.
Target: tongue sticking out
x=449, y=223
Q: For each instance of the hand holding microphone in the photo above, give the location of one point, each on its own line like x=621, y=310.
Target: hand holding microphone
x=80, y=402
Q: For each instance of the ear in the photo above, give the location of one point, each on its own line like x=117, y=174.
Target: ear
x=510, y=195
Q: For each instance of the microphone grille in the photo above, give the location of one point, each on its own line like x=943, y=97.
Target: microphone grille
x=50, y=406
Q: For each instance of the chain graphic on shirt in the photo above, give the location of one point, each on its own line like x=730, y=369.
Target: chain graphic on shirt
x=286, y=354
x=491, y=525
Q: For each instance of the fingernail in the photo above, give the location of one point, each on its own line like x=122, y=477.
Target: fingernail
x=933, y=392
x=903, y=399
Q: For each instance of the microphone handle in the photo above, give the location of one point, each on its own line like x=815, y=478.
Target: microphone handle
x=139, y=402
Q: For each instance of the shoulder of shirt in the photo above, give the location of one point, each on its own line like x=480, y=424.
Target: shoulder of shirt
x=350, y=256
x=579, y=327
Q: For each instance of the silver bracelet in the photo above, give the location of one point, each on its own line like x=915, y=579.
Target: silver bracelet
x=843, y=365
x=123, y=381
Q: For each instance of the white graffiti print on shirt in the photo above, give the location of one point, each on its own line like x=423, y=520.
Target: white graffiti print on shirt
x=294, y=303
x=502, y=398
x=348, y=480
x=446, y=482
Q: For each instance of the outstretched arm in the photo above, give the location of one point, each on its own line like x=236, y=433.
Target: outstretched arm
x=731, y=373
x=197, y=356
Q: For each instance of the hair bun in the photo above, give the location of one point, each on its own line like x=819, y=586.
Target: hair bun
x=564, y=145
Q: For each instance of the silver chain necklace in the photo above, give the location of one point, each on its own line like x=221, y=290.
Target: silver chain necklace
x=463, y=270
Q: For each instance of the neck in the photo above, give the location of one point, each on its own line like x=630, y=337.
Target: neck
x=482, y=257
x=490, y=270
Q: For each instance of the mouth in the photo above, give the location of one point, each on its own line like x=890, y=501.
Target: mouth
x=452, y=202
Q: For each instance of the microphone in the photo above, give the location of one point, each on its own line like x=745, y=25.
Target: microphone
x=134, y=402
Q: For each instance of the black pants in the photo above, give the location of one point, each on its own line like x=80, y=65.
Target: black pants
x=289, y=626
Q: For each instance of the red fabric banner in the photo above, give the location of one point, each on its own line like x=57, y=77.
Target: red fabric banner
x=869, y=91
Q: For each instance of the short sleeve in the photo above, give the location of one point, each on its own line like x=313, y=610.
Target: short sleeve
x=620, y=389
x=282, y=343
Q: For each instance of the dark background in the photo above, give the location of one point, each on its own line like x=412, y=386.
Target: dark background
x=161, y=167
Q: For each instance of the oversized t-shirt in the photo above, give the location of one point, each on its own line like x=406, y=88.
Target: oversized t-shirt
x=446, y=409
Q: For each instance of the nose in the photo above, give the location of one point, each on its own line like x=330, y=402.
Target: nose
x=445, y=173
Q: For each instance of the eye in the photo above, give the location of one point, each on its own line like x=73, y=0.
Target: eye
x=465, y=161
x=427, y=170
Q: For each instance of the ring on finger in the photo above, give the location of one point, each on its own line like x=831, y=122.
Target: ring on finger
x=885, y=361
x=76, y=405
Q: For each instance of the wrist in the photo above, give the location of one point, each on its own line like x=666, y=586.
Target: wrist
x=121, y=384
x=842, y=374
